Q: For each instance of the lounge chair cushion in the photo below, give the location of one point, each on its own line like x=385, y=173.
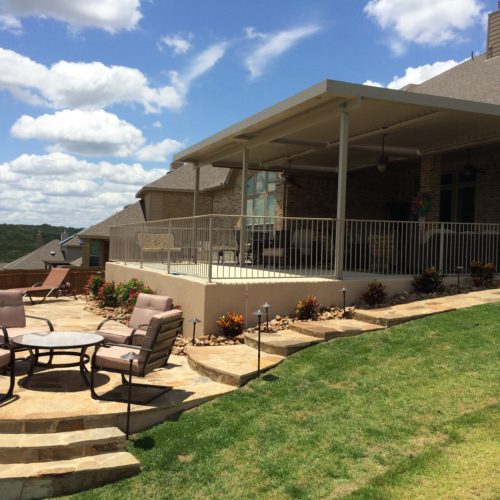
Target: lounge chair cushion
x=111, y=359
x=147, y=306
x=117, y=335
x=4, y=357
x=12, y=309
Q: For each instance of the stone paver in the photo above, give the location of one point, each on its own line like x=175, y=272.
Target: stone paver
x=230, y=364
x=54, y=478
x=401, y=313
x=333, y=328
x=282, y=343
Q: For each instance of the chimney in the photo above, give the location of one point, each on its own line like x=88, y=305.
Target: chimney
x=64, y=235
x=493, y=44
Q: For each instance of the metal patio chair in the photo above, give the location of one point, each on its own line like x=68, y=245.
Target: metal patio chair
x=154, y=353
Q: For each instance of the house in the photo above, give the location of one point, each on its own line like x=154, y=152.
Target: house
x=330, y=188
x=95, y=238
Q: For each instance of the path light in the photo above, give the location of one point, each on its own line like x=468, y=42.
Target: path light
x=259, y=316
x=266, y=306
x=193, y=321
x=459, y=270
x=344, y=291
x=130, y=357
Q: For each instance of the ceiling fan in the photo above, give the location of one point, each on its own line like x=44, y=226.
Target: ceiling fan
x=469, y=169
x=287, y=177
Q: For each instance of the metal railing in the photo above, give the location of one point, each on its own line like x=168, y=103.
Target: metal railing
x=231, y=247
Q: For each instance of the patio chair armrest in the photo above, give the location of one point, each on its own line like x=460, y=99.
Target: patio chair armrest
x=109, y=318
x=136, y=347
x=49, y=323
x=38, y=283
x=5, y=335
x=135, y=330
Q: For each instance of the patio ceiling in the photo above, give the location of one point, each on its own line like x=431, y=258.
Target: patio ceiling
x=306, y=128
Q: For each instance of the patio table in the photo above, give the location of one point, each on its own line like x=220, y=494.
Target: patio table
x=57, y=344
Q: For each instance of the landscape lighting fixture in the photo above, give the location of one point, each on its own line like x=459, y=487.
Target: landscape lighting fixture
x=258, y=313
x=194, y=321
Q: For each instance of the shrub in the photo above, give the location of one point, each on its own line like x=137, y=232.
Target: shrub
x=482, y=274
x=127, y=293
x=93, y=284
x=375, y=293
x=431, y=280
x=107, y=294
x=231, y=324
x=307, y=308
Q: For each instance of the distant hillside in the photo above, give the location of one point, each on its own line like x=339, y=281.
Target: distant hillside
x=17, y=240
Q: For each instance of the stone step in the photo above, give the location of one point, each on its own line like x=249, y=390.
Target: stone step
x=62, y=477
x=30, y=448
x=333, y=328
x=50, y=425
x=282, y=343
x=229, y=364
x=396, y=315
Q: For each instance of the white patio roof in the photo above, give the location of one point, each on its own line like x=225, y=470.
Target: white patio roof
x=306, y=127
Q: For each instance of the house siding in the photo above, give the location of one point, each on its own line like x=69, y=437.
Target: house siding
x=493, y=48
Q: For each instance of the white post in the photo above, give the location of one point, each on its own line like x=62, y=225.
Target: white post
x=195, y=210
x=341, y=194
x=243, y=221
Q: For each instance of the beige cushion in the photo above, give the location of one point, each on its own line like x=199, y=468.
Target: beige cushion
x=4, y=357
x=147, y=306
x=273, y=252
x=111, y=359
x=12, y=309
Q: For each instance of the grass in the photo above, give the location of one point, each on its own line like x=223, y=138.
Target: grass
x=409, y=412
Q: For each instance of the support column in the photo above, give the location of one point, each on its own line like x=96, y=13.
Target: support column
x=341, y=194
x=243, y=212
x=196, y=189
x=195, y=211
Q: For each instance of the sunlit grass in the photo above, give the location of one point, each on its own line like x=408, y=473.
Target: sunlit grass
x=408, y=412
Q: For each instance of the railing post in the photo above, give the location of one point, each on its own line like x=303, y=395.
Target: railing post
x=441, y=247
x=169, y=249
x=210, y=249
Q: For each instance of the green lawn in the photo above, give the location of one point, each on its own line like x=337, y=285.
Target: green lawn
x=409, y=412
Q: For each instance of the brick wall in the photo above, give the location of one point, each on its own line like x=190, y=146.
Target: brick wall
x=430, y=182
x=165, y=205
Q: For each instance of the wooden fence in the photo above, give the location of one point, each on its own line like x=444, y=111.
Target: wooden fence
x=20, y=278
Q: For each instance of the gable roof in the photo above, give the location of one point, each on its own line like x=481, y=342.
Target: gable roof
x=37, y=258
x=129, y=215
x=182, y=179
x=476, y=79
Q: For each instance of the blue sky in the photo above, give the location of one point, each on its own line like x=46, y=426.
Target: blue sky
x=96, y=96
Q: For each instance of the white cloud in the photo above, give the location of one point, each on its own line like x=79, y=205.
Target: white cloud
x=37, y=186
x=109, y=15
x=428, y=22
x=271, y=46
x=372, y=83
x=95, y=85
x=202, y=63
x=416, y=75
x=84, y=132
x=159, y=151
x=422, y=73
x=11, y=24
x=179, y=43
x=157, y=124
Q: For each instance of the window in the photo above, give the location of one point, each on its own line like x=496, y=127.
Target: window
x=261, y=197
x=458, y=197
x=94, y=253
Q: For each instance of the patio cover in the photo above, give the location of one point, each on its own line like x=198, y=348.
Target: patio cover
x=306, y=128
